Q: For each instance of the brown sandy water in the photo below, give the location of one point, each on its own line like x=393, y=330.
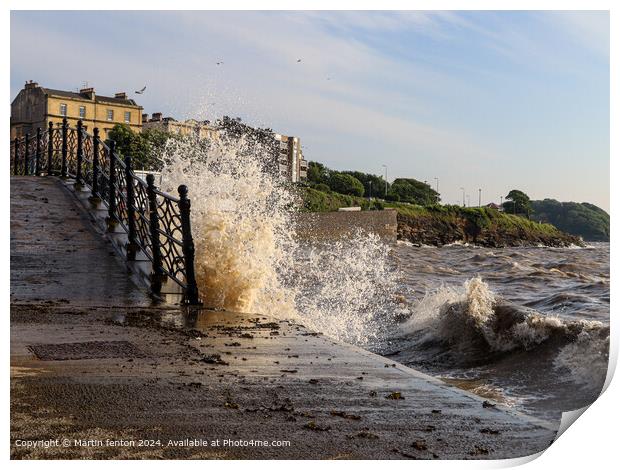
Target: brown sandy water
x=541, y=342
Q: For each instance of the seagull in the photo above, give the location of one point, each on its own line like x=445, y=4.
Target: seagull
x=298, y=60
x=141, y=91
x=219, y=63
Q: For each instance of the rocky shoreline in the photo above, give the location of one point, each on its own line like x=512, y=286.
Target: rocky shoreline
x=438, y=231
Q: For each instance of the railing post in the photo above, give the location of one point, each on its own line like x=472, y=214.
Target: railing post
x=63, y=165
x=132, y=246
x=157, y=276
x=16, y=160
x=26, y=154
x=191, y=292
x=79, y=156
x=37, y=155
x=50, y=149
x=94, y=198
x=111, y=189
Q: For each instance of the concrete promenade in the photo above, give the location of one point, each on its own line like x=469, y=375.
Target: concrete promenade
x=100, y=371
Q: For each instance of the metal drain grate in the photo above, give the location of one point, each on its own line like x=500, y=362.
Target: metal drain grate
x=85, y=350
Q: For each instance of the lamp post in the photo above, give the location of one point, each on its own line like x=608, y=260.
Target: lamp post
x=386, y=183
x=437, y=184
x=479, y=197
x=501, y=203
x=463, y=189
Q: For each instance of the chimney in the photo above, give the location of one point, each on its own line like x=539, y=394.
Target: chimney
x=145, y=117
x=30, y=85
x=156, y=117
x=88, y=93
x=122, y=95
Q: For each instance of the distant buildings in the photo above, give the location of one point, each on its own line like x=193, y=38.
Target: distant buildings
x=36, y=106
x=199, y=129
x=492, y=205
x=290, y=159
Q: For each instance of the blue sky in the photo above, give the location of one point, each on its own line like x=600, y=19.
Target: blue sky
x=491, y=100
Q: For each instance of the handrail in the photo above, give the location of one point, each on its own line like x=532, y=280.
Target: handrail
x=157, y=223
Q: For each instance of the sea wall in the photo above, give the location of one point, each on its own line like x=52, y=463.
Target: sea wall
x=333, y=225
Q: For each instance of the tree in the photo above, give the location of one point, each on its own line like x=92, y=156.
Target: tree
x=141, y=147
x=585, y=220
x=373, y=185
x=518, y=203
x=317, y=173
x=414, y=191
x=346, y=184
x=322, y=187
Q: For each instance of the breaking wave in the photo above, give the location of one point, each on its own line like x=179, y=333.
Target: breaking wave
x=247, y=256
x=477, y=326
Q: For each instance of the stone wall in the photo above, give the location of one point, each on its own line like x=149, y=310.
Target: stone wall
x=333, y=225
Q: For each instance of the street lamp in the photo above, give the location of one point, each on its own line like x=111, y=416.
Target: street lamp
x=480, y=197
x=386, y=184
x=437, y=184
x=463, y=189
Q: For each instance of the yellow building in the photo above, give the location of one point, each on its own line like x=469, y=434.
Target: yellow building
x=35, y=106
x=189, y=127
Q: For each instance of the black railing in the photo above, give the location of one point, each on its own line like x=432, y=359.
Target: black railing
x=157, y=224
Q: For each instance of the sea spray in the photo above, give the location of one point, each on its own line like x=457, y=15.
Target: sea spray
x=247, y=256
x=240, y=227
x=347, y=287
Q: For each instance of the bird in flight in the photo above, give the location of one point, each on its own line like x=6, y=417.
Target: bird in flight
x=141, y=91
x=298, y=60
x=219, y=63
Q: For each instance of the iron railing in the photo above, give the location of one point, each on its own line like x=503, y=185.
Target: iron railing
x=156, y=223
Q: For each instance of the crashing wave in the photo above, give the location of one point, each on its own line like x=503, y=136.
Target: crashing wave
x=247, y=256
x=472, y=321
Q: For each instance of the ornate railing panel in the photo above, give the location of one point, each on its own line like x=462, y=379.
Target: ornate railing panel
x=157, y=224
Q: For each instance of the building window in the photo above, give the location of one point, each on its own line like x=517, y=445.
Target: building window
x=127, y=116
x=63, y=109
x=110, y=115
x=82, y=112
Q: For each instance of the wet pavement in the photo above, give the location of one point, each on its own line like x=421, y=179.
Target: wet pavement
x=93, y=365
x=56, y=253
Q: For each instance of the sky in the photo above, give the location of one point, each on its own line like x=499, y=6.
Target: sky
x=473, y=99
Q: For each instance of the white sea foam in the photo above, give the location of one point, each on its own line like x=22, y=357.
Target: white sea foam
x=464, y=316
x=247, y=257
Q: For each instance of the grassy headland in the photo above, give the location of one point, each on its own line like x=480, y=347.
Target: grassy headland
x=440, y=225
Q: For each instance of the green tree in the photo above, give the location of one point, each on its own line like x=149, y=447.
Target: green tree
x=136, y=145
x=322, y=187
x=518, y=203
x=414, y=191
x=317, y=173
x=373, y=185
x=346, y=184
x=585, y=220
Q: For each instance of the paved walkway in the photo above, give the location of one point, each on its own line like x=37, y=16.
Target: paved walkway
x=56, y=254
x=93, y=366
